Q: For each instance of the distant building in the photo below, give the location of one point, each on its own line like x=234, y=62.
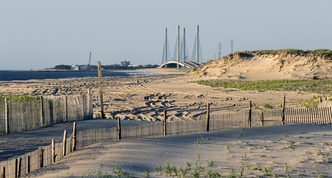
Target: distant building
x=125, y=63
x=75, y=67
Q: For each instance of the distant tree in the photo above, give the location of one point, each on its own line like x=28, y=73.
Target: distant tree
x=62, y=66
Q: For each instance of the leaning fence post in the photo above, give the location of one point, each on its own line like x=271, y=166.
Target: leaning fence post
x=283, y=110
x=6, y=116
x=64, y=143
x=53, y=151
x=119, y=128
x=41, y=156
x=164, y=123
x=74, y=137
x=100, y=91
x=262, y=119
x=18, y=167
x=3, y=172
x=249, y=118
x=41, y=111
x=208, y=117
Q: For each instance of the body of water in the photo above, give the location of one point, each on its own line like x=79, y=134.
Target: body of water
x=27, y=75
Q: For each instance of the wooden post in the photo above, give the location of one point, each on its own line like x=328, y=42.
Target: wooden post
x=100, y=91
x=64, y=143
x=164, y=123
x=262, y=119
x=208, y=117
x=3, y=172
x=53, y=151
x=18, y=167
x=283, y=111
x=74, y=137
x=15, y=168
x=41, y=156
x=66, y=109
x=82, y=106
x=41, y=111
x=327, y=115
x=249, y=118
x=27, y=165
x=6, y=116
x=119, y=128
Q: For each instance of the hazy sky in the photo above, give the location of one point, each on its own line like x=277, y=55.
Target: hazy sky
x=38, y=34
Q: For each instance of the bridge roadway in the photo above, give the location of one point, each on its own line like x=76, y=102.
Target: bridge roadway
x=185, y=64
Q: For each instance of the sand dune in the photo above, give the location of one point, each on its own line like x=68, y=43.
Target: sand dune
x=290, y=150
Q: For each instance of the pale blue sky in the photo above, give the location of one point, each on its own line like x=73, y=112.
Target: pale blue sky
x=38, y=34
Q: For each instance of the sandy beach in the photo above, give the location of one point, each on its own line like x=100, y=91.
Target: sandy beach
x=295, y=150
x=303, y=150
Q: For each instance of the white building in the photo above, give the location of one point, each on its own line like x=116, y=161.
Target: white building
x=75, y=67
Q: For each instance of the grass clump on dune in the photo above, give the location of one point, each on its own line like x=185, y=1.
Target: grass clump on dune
x=18, y=98
x=305, y=85
x=325, y=52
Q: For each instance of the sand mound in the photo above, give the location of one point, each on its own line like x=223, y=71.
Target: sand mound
x=254, y=65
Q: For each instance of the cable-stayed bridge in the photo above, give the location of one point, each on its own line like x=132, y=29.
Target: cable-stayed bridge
x=180, y=57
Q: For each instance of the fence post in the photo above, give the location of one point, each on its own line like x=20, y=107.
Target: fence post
x=41, y=111
x=100, y=91
x=64, y=143
x=41, y=155
x=164, y=123
x=90, y=104
x=6, y=116
x=66, y=109
x=82, y=106
x=28, y=164
x=262, y=119
x=19, y=167
x=119, y=128
x=74, y=137
x=3, y=172
x=249, y=118
x=283, y=111
x=53, y=151
x=208, y=117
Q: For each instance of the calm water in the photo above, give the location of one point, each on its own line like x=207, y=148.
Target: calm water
x=26, y=75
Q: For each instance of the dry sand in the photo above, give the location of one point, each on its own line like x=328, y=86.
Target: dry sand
x=144, y=98
x=307, y=156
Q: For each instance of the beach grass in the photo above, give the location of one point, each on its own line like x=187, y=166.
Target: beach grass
x=18, y=98
x=304, y=85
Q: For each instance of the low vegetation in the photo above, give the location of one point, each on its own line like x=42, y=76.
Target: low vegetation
x=325, y=52
x=305, y=85
x=18, y=98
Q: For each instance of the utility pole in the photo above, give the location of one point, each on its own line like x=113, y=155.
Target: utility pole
x=219, y=53
x=232, y=46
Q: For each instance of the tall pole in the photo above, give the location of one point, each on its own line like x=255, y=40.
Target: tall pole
x=232, y=46
x=219, y=53
x=100, y=91
x=184, y=44
x=197, y=54
x=165, y=48
x=178, y=45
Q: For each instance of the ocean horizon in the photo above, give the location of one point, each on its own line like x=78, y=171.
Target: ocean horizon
x=9, y=75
